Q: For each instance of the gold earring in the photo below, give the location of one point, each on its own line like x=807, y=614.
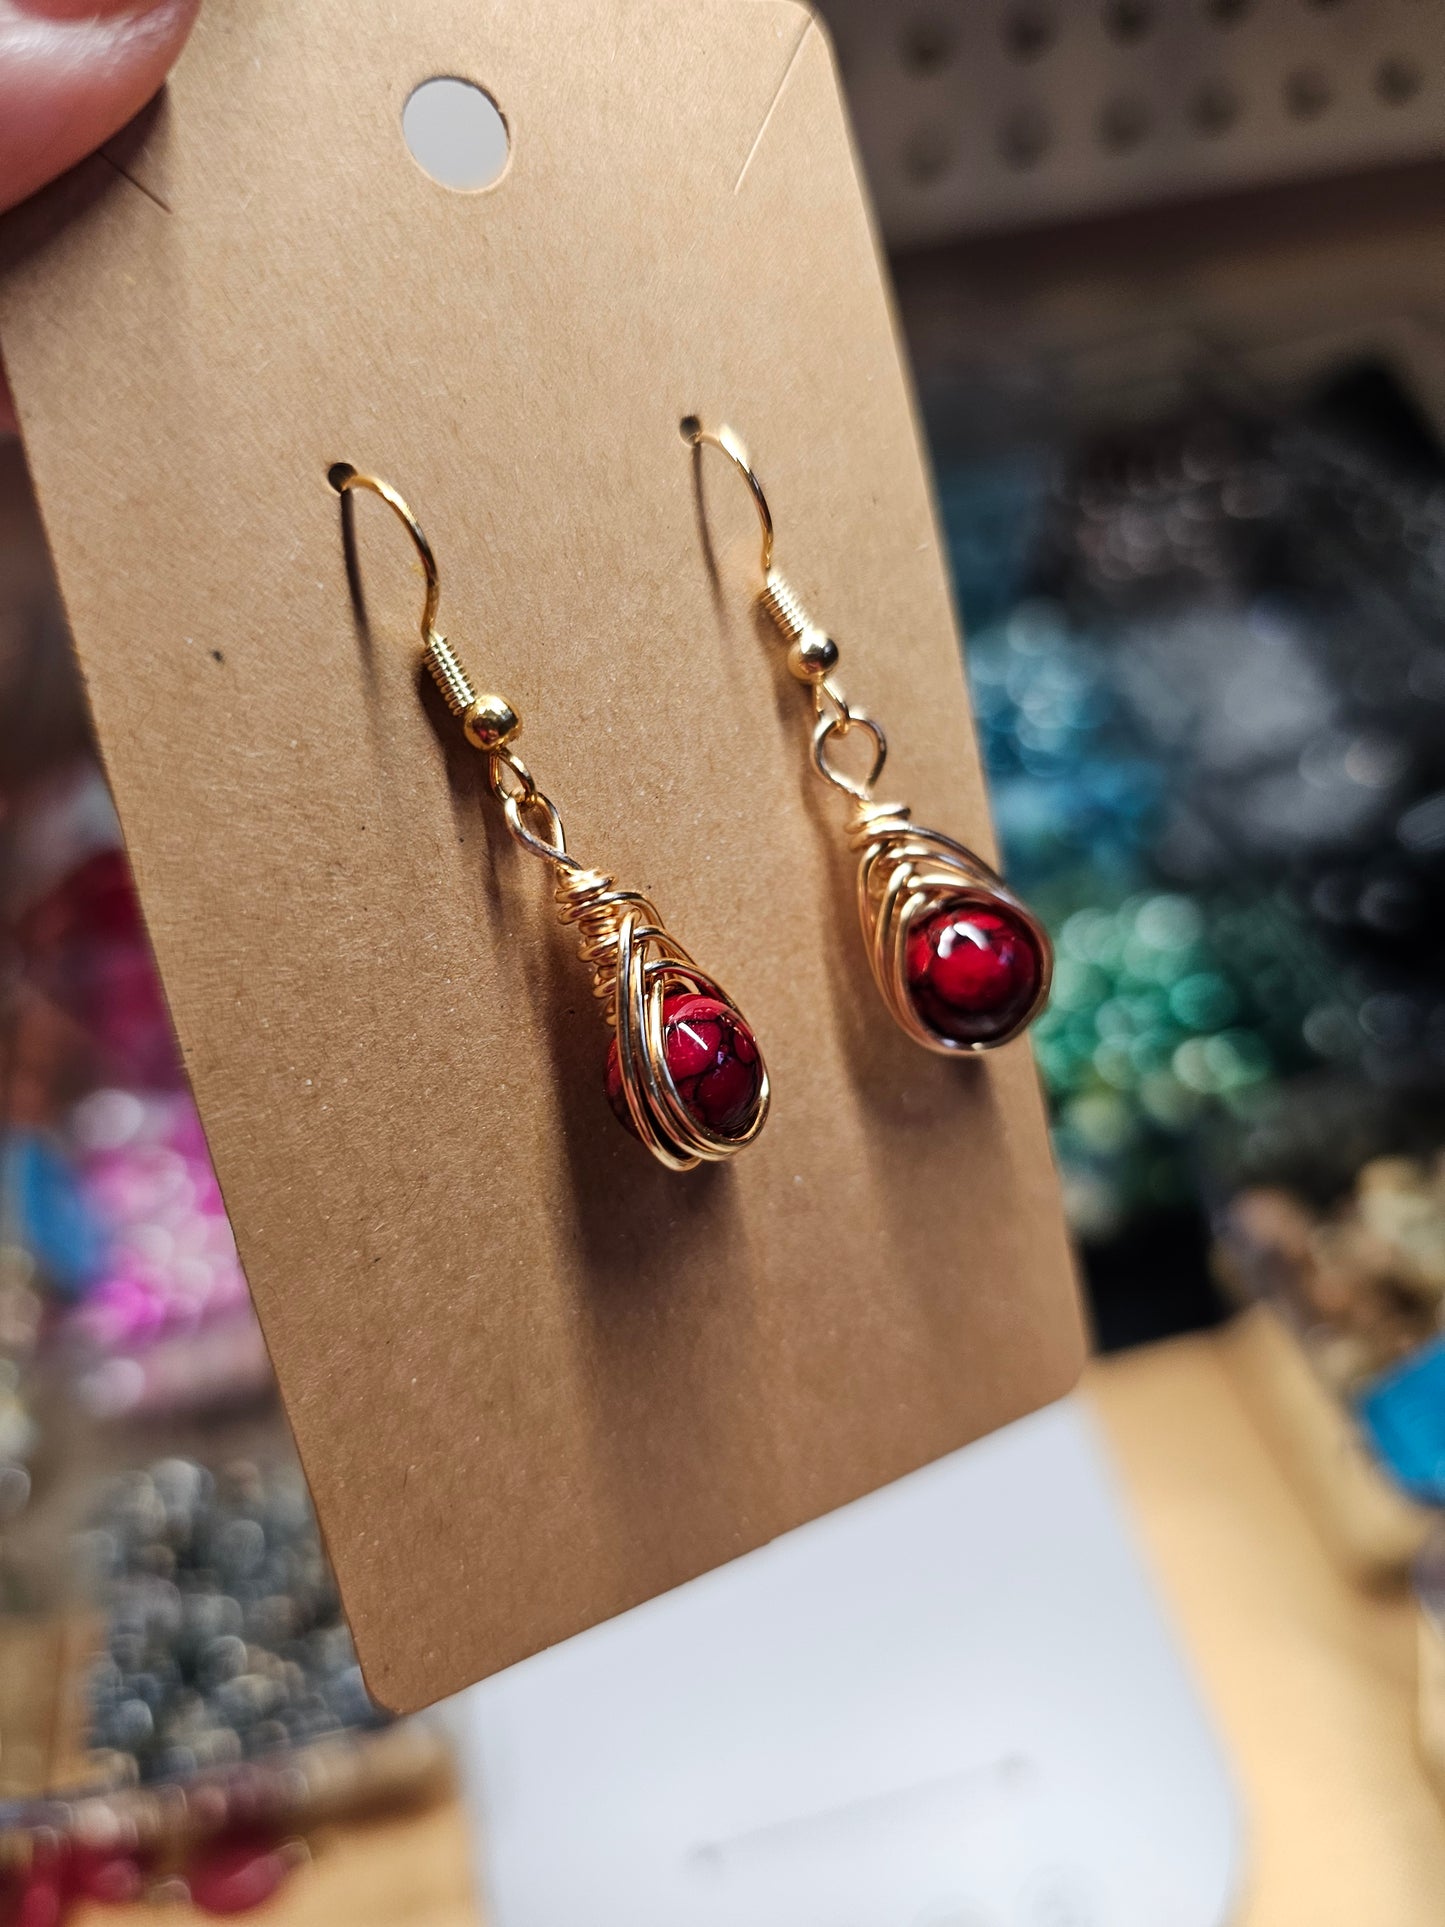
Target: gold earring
x=684, y=1072
x=961, y=963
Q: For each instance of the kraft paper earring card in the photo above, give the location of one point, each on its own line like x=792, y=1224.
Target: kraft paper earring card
x=534, y=1376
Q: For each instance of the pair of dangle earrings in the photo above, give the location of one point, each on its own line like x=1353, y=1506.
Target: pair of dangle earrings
x=962, y=965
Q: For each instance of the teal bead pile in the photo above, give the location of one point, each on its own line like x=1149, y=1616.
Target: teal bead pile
x=1168, y=1016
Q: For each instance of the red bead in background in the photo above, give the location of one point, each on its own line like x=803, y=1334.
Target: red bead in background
x=60, y=1876
x=235, y=1874
x=229, y=1875
x=713, y=1060
x=973, y=970
x=111, y=1877
x=39, y=1898
x=84, y=945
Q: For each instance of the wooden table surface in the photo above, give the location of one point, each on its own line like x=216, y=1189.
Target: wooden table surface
x=1310, y=1680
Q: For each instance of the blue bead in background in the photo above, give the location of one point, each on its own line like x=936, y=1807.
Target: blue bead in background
x=1403, y=1413
x=53, y=1220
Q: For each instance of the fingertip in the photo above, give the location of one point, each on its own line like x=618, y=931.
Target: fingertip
x=69, y=82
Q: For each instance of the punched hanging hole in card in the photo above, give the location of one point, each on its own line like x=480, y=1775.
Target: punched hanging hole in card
x=456, y=134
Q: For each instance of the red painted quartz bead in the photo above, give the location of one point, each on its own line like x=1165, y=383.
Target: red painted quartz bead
x=713, y=1059
x=973, y=970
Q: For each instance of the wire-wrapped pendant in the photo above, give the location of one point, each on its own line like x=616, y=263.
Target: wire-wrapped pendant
x=962, y=964
x=684, y=1072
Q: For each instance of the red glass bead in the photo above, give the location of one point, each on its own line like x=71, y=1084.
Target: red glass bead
x=713, y=1060
x=973, y=970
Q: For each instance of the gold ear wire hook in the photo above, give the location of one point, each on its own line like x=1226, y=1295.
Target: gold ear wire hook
x=812, y=654
x=342, y=477
x=731, y=445
x=489, y=722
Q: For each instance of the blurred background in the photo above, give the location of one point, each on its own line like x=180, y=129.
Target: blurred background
x=1172, y=276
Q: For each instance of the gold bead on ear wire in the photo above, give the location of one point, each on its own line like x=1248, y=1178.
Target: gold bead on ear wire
x=961, y=963
x=684, y=1072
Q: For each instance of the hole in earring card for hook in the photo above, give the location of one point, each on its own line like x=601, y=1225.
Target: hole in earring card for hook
x=456, y=133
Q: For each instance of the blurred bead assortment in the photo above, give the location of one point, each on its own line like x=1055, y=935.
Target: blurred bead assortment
x=1209, y=674
x=225, y=1638
x=1076, y=792
x=206, y=1691
x=1364, y=1286
x=222, y=1845
x=1272, y=580
x=170, y=1259
x=228, y=1876
x=1169, y=1006
x=112, y=1195
x=1166, y=1013
x=1364, y=1281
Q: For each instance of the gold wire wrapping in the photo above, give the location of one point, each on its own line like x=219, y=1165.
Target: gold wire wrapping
x=636, y=964
x=906, y=873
